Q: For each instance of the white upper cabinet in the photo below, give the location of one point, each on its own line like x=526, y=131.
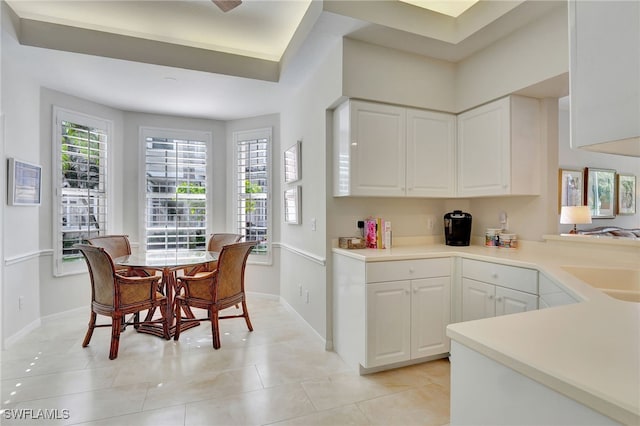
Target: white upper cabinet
x=499, y=148
x=390, y=151
x=605, y=76
x=369, y=149
x=431, y=167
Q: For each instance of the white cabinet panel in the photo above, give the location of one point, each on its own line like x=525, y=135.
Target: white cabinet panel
x=430, y=315
x=390, y=151
x=369, y=149
x=388, y=323
x=512, y=301
x=552, y=294
x=499, y=148
x=477, y=300
x=514, y=277
x=408, y=269
x=431, y=167
x=605, y=75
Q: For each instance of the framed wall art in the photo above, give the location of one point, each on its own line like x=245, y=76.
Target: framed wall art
x=292, y=163
x=292, y=205
x=626, y=194
x=570, y=188
x=600, y=192
x=24, y=183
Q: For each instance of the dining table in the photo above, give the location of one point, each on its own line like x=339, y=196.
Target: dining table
x=169, y=263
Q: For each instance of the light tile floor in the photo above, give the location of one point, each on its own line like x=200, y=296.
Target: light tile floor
x=278, y=374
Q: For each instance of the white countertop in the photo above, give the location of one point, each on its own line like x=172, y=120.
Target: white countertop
x=588, y=351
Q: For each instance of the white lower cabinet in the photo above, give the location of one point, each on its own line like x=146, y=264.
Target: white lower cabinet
x=490, y=289
x=553, y=294
x=392, y=312
x=388, y=323
x=430, y=315
x=407, y=320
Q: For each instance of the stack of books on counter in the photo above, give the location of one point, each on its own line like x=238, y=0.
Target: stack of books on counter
x=377, y=233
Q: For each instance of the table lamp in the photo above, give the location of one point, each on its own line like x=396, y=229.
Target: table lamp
x=576, y=215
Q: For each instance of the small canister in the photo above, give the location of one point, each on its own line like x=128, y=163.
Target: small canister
x=492, y=237
x=508, y=241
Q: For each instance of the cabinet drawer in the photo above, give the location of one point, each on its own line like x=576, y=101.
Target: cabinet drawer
x=408, y=269
x=522, y=279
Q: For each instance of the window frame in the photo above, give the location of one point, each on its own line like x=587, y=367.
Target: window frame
x=169, y=133
x=246, y=135
x=60, y=114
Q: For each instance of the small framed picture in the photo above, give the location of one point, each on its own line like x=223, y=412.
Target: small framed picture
x=600, y=192
x=570, y=188
x=24, y=183
x=626, y=194
x=292, y=207
x=292, y=163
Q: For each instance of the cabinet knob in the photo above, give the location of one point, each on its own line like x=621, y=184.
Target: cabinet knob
x=407, y=292
x=499, y=299
x=494, y=275
x=411, y=270
x=490, y=296
x=415, y=290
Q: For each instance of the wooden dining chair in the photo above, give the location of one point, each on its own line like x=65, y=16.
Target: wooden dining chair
x=217, y=290
x=115, y=295
x=116, y=246
x=216, y=242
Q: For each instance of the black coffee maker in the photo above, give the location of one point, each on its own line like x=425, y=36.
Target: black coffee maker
x=457, y=228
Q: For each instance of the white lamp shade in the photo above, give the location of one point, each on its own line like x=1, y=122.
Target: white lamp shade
x=575, y=215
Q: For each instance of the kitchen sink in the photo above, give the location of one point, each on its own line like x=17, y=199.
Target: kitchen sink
x=623, y=284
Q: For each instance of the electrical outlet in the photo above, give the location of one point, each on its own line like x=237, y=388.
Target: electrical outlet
x=300, y=289
x=430, y=224
x=307, y=296
x=313, y=223
x=20, y=302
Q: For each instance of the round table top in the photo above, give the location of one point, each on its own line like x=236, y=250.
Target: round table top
x=161, y=259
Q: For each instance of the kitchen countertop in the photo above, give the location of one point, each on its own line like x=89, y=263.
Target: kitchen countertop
x=589, y=351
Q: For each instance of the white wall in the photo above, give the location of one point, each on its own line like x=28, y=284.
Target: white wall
x=304, y=257
x=577, y=159
x=20, y=106
x=531, y=54
x=386, y=75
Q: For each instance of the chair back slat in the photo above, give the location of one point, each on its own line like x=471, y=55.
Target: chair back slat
x=101, y=271
x=115, y=245
x=229, y=280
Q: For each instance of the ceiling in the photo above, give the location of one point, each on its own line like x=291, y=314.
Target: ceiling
x=188, y=58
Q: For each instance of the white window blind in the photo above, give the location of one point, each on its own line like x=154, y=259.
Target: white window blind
x=175, y=202
x=81, y=183
x=253, y=188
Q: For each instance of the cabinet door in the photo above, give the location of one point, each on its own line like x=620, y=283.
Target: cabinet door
x=378, y=145
x=478, y=300
x=431, y=139
x=430, y=315
x=552, y=294
x=388, y=323
x=484, y=150
x=512, y=301
x=604, y=70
